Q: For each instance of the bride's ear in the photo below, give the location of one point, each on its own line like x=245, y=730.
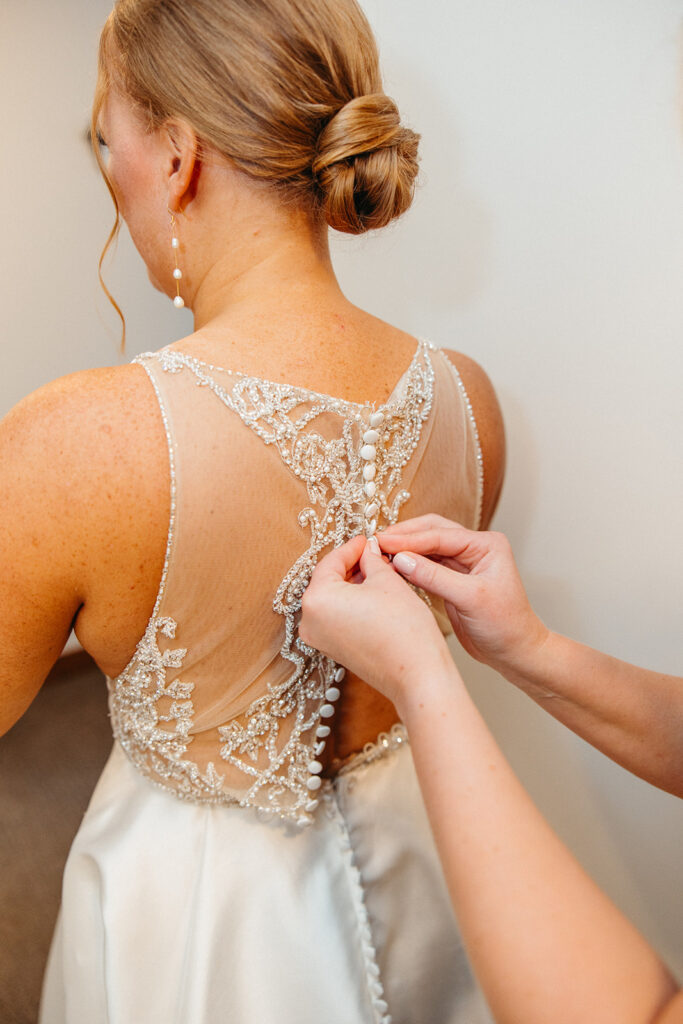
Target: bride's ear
x=182, y=163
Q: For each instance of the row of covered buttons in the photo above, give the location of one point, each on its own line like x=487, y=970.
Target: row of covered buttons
x=332, y=694
x=368, y=454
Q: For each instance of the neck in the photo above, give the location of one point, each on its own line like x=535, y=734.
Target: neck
x=268, y=261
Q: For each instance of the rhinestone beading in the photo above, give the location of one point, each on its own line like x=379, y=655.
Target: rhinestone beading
x=351, y=481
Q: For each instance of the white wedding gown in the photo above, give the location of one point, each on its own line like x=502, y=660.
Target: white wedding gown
x=216, y=876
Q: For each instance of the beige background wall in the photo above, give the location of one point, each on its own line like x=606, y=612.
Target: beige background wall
x=546, y=241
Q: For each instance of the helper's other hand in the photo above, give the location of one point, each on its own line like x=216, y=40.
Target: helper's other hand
x=475, y=573
x=360, y=612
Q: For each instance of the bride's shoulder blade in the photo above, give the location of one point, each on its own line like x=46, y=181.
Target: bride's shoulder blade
x=85, y=487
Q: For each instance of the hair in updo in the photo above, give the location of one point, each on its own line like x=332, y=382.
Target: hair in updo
x=365, y=165
x=289, y=91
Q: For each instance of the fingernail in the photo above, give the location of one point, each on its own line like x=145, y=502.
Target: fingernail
x=404, y=563
x=374, y=546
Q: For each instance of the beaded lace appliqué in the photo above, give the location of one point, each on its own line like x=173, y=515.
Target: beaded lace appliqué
x=273, y=743
x=144, y=705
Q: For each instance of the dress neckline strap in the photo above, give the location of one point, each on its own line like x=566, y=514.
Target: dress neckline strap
x=175, y=358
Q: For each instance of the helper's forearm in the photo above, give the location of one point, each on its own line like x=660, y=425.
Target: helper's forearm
x=546, y=943
x=631, y=714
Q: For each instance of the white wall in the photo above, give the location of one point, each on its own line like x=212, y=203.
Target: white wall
x=547, y=242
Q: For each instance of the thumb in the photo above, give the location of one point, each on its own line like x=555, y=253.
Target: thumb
x=371, y=561
x=433, y=577
x=339, y=562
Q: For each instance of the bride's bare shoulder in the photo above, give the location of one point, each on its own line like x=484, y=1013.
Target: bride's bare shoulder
x=490, y=427
x=84, y=505
x=76, y=456
x=105, y=413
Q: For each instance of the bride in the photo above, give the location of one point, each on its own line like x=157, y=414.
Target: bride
x=256, y=848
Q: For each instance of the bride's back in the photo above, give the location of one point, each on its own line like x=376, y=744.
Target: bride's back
x=256, y=479
x=218, y=699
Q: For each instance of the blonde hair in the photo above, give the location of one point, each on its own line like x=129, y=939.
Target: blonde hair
x=289, y=91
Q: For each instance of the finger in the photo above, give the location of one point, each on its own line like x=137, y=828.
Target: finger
x=340, y=562
x=357, y=575
x=467, y=547
x=371, y=561
x=436, y=540
x=452, y=586
x=429, y=521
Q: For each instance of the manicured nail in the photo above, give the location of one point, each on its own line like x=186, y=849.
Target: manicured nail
x=374, y=546
x=404, y=563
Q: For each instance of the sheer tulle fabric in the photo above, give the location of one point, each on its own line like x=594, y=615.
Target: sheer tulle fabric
x=215, y=647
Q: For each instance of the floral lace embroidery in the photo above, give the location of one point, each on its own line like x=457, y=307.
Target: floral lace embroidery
x=142, y=699
x=273, y=742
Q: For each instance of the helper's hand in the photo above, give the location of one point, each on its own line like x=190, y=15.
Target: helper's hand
x=359, y=611
x=475, y=573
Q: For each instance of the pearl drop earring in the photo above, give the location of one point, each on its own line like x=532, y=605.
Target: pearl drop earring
x=178, y=301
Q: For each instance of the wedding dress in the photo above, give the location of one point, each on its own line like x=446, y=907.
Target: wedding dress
x=217, y=876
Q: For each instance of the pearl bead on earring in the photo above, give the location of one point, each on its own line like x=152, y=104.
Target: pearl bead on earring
x=178, y=300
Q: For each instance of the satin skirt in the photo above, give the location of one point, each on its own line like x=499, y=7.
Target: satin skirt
x=179, y=913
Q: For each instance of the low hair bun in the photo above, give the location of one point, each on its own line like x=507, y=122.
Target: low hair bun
x=365, y=165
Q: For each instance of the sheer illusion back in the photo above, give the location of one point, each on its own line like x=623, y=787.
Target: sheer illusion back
x=194, y=910
x=222, y=702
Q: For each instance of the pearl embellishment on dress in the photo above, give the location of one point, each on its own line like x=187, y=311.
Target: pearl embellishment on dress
x=368, y=454
x=271, y=410
x=332, y=694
